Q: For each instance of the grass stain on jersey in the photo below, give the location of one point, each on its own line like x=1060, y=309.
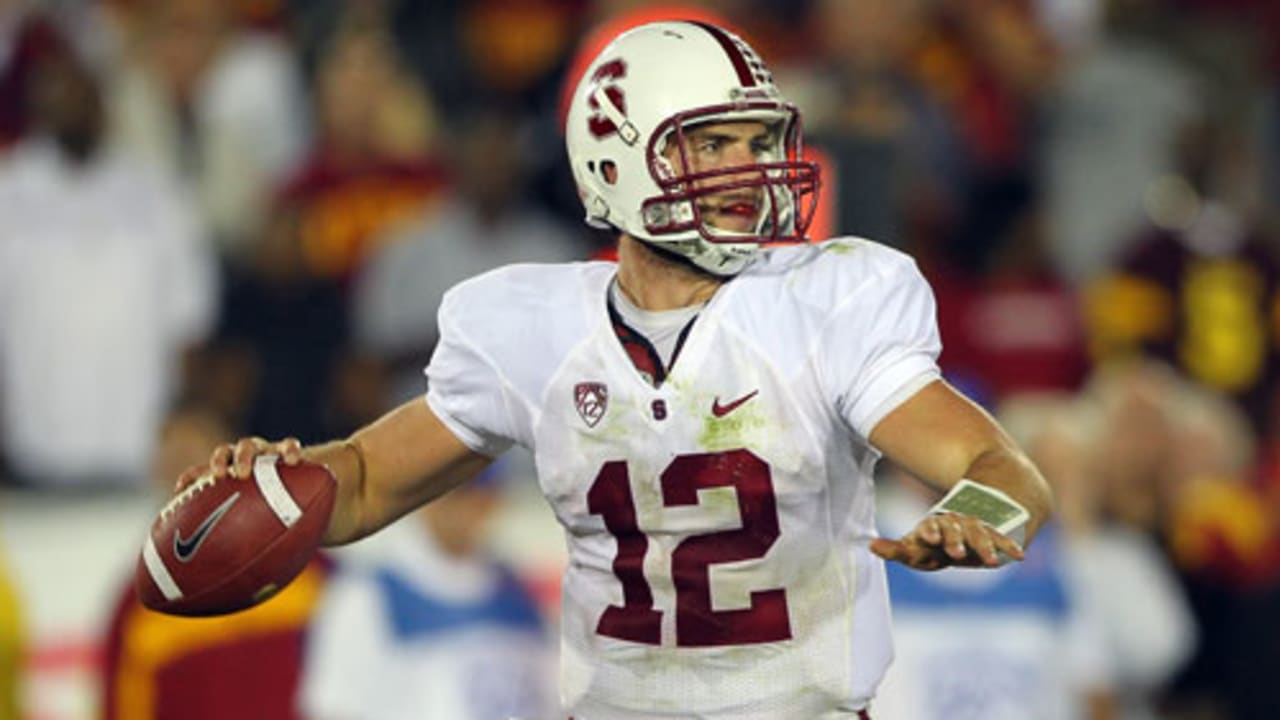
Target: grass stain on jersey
x=731, y=431
x=613, y=431
x=617, y=427
x=840, y=247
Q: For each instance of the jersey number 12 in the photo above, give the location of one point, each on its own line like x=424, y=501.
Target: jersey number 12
x=697, y=624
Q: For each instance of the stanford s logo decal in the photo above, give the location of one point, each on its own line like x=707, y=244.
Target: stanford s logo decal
x=599, y=123
x=592, y=399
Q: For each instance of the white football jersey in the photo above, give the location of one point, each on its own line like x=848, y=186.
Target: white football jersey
x=717, y=525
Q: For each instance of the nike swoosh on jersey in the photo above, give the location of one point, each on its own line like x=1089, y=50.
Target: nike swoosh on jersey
x=721, y=410
x=186, y=549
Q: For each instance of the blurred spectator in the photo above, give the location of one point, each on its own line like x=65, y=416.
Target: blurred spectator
x=25, y=37
x=987, y=64
x=485, y=222
x=504, y=52
x=1103, y=478
x=104, y=282
x=1224, y=534
x=370, y=166
x=1200, y=285
x=11, y=647
x=282, y=342
x=244, y=665
x=1115, y=114
x=897, y=158
x=282, y=362
x=1013, y=325
x=1013, y=643
x=1108, y=458
x=513, y=47
x=420, y=622
x=221, y=107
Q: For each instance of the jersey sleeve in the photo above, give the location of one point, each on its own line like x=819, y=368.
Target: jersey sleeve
x=880, y=344
x=464, y=387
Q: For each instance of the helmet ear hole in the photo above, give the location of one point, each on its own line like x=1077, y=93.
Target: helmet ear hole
x=609, y=172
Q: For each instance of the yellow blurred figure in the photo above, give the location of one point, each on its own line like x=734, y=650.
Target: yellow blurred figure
x=10, y=645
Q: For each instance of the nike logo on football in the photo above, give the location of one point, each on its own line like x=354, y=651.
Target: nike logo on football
x=186, y=549
x=721, y=410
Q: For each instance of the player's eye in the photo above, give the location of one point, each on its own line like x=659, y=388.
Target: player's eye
x=763, y=146
x=708, y=145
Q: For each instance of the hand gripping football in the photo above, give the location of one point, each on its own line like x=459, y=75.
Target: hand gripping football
x=222, y=545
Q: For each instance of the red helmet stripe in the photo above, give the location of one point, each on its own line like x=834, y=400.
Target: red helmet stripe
x=745, y=76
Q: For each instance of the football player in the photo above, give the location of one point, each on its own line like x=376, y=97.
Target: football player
x=706, y=414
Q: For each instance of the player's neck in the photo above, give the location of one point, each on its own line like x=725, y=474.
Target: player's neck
x=656, y=283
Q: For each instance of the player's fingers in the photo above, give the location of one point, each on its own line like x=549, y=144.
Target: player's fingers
x=929, y=561
x=929, y=531
x=977, y=535
x=189, y=476
x=220, y=460
x=919, y=556
x=245, y=451
x=291, y=450
x=953, y=535
x=907, y=552
x=891, y=550
x=1007, y=545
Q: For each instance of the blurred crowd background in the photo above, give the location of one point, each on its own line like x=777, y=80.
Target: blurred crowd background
x=229, y=217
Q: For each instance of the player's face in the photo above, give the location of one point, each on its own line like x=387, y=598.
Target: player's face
x=717, y=146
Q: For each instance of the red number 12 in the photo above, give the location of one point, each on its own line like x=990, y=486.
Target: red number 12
x=697, y=624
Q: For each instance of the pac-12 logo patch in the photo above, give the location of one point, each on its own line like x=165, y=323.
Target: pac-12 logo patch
x=592, y=399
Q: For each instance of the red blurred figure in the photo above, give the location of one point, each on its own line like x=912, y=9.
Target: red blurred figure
x=246, y=665
x=369, y=168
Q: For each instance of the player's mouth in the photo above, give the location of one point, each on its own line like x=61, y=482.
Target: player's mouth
x=736, y=213
x=740, y=209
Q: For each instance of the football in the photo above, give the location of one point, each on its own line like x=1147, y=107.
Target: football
x=222, y=545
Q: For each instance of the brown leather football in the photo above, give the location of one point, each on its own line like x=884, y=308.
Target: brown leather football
x=222, y=545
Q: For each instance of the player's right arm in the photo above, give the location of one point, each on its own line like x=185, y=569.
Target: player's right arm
x=427, y=446
x=401, y=461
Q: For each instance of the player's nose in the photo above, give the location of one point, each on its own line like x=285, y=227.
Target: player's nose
x=739, y=154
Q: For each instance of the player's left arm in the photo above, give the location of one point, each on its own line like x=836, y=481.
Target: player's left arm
x=942, y=437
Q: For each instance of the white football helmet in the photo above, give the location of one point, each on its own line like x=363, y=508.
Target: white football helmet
x=626, y=140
